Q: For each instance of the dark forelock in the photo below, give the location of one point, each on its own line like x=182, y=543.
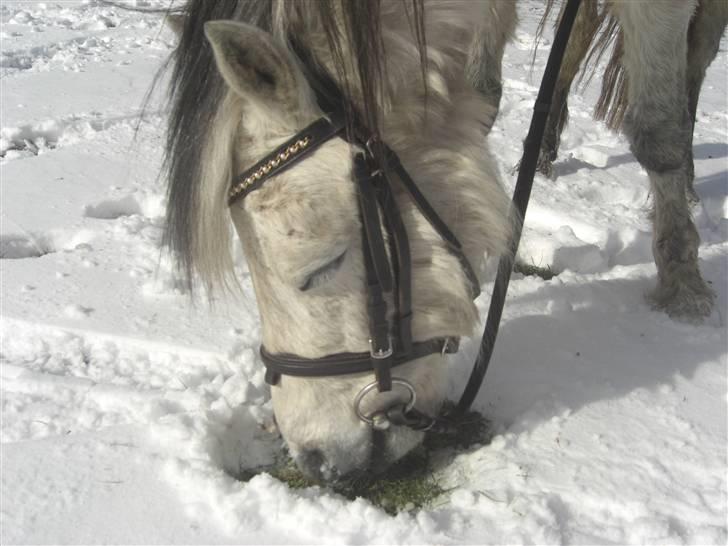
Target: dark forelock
x=196, y=90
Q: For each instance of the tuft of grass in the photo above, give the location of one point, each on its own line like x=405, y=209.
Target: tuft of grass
x=465, y=431
x=289, y=474
x=532, y=270
x=407, y=485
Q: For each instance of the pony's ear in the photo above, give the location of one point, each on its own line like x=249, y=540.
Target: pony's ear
x=176, y=23
x=252, y=64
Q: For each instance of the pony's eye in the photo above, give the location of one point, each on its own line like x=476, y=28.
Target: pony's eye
x=323, y=273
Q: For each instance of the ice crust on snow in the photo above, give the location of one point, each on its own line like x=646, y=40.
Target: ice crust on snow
x=127, y=409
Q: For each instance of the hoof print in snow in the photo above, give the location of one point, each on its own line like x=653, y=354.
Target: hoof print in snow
x=77, y=311
x=532, y=270
x=27, y=147
x=29, y=140
x=112, y=209
x=14, y=247
x=37, y=138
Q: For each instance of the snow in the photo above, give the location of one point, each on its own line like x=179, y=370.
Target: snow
x=123, y=403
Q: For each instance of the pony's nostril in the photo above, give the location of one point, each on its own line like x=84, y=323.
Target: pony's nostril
x=313, y=464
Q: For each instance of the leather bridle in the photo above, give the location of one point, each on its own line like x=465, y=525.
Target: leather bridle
x=388, y=274
x=385, y=247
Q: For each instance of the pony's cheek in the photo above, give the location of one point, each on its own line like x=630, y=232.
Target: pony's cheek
x=293, y=254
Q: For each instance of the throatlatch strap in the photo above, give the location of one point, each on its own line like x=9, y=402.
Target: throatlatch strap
x=426, y=209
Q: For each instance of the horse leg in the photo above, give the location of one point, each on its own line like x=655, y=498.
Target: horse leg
x=658, y=126
x=704, y=34
x=582, y=34
x=486, y=53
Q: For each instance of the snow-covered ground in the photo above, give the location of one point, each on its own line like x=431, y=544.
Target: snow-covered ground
x=122, y=402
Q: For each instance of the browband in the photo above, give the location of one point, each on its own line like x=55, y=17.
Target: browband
x=284, y=156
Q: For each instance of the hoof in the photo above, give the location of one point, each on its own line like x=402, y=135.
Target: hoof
x=688, y=301
x=545, y=167
x=692, y=196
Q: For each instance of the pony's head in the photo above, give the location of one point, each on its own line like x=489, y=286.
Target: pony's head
x=302, y=235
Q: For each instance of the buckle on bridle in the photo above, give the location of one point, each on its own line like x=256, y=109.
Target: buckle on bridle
x=445, y=346
x=378, y=353
x=369, y=144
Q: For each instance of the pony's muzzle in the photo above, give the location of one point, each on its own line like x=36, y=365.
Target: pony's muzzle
x=317, y=466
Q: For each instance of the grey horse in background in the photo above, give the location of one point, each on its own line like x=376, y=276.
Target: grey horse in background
x=650, y=91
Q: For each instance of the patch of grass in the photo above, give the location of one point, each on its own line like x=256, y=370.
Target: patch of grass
x=289, y=474
x=463, y=432
x=531, y=270
x=407, y=485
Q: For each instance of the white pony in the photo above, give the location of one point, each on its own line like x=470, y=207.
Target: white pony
x=408, y=66
x=302, y=228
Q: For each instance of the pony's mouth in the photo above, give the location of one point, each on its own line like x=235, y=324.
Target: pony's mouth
x=323, y=274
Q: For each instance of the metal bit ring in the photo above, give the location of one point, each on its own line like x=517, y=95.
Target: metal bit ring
x=373, y=385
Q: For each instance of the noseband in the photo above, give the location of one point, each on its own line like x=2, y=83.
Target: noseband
x=385, y=246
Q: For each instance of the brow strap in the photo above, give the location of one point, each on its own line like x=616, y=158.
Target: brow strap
x=284, y=156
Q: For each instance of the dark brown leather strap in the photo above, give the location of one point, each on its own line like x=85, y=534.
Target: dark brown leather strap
x=521, y=195
x=371, y=222
x=401, y=260
x=378, y=276
x=347, y=363
x=285, y=156
x=426, y=209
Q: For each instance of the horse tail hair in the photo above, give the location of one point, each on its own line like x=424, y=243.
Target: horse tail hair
x=590, y=18
x=606, y=34
x=611, y=105
x=548, y=8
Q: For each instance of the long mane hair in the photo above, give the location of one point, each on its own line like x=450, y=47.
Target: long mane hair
x=353, y=34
